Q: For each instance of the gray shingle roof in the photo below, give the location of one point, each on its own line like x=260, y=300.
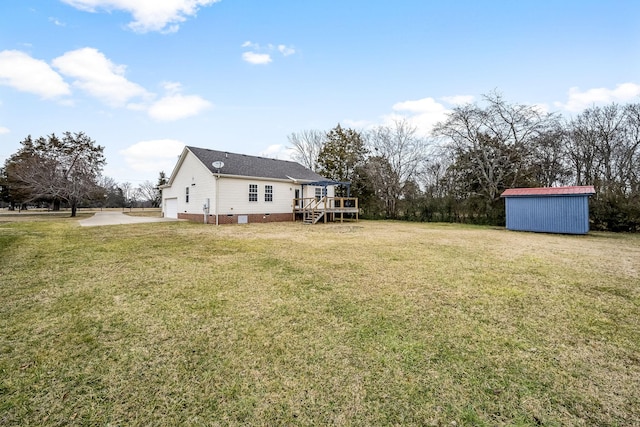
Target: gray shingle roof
x=253, y=166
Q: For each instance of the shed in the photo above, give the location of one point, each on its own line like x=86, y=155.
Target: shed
x=549, y=209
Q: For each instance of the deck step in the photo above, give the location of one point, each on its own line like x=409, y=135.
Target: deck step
x=312, y=218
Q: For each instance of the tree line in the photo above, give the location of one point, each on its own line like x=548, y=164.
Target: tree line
x=66, y=171
x=458, y=173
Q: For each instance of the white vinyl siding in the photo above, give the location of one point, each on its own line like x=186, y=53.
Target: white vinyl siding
x=202, y=185
x=233, y=197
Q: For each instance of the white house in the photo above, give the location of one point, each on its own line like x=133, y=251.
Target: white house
x=219, y=187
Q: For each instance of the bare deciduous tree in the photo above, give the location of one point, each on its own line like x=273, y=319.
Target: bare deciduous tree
x=402, y=154
x=605, y=147
x=605, y=152
x=550, y=163
x=631, y=158
x=148, y=192
x=307, y=145
x=128, y=193
x=57, y=169
x=497, y=141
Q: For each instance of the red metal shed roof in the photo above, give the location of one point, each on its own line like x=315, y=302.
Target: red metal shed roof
x=550, y=191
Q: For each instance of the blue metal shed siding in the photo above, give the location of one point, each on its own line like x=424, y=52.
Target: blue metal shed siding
x=548, y=214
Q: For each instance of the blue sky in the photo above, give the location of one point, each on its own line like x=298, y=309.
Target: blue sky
x=144, y=78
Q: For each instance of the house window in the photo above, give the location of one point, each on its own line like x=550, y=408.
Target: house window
x=318, y=194
x=253, y=192
x=268, y=193
x=186, y=194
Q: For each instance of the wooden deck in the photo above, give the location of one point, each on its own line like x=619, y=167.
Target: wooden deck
x=313, y=210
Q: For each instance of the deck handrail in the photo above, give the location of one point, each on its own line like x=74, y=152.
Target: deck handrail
x=303, y=204
x=310, y=206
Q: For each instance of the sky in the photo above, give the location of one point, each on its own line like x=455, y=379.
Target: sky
x=144, y=78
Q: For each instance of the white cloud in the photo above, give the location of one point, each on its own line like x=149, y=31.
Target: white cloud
x=148, y=15
x=256, y=58
x=153, y=155
x=57, y=22
x=458, y=99
x=172, y=88
x=4, y=130
x=424, y=105
x=175, y=107
x=26, y=74
x=579, y=101
x=277, y=151
x=541, y=108
x=93, y=73
x=285, y=50
x=250, y=44
x=98, y=76
x=422, y=113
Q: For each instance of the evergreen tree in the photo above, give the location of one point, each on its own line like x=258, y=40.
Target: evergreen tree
x=342, y=154
x=56, y=169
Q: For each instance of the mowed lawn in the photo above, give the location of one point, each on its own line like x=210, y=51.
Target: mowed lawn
x=362, y=324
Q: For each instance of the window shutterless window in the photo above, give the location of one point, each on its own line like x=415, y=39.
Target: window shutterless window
x=253, y=192
x=186, y=194
x=318, y=193
x=268, y=193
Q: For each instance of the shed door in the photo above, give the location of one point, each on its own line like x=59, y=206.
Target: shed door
x=171, y=208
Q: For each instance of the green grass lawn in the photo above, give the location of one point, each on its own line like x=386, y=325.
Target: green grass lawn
x=369, y=323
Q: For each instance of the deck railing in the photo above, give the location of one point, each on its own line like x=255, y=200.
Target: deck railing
x=309, y=206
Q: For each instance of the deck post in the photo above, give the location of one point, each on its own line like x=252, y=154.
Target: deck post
x=325, y=209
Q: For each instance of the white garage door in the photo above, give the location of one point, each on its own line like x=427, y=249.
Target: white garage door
x=171, y=208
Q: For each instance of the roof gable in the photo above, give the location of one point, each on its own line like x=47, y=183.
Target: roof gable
x=584, y=190
x=253, y=166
